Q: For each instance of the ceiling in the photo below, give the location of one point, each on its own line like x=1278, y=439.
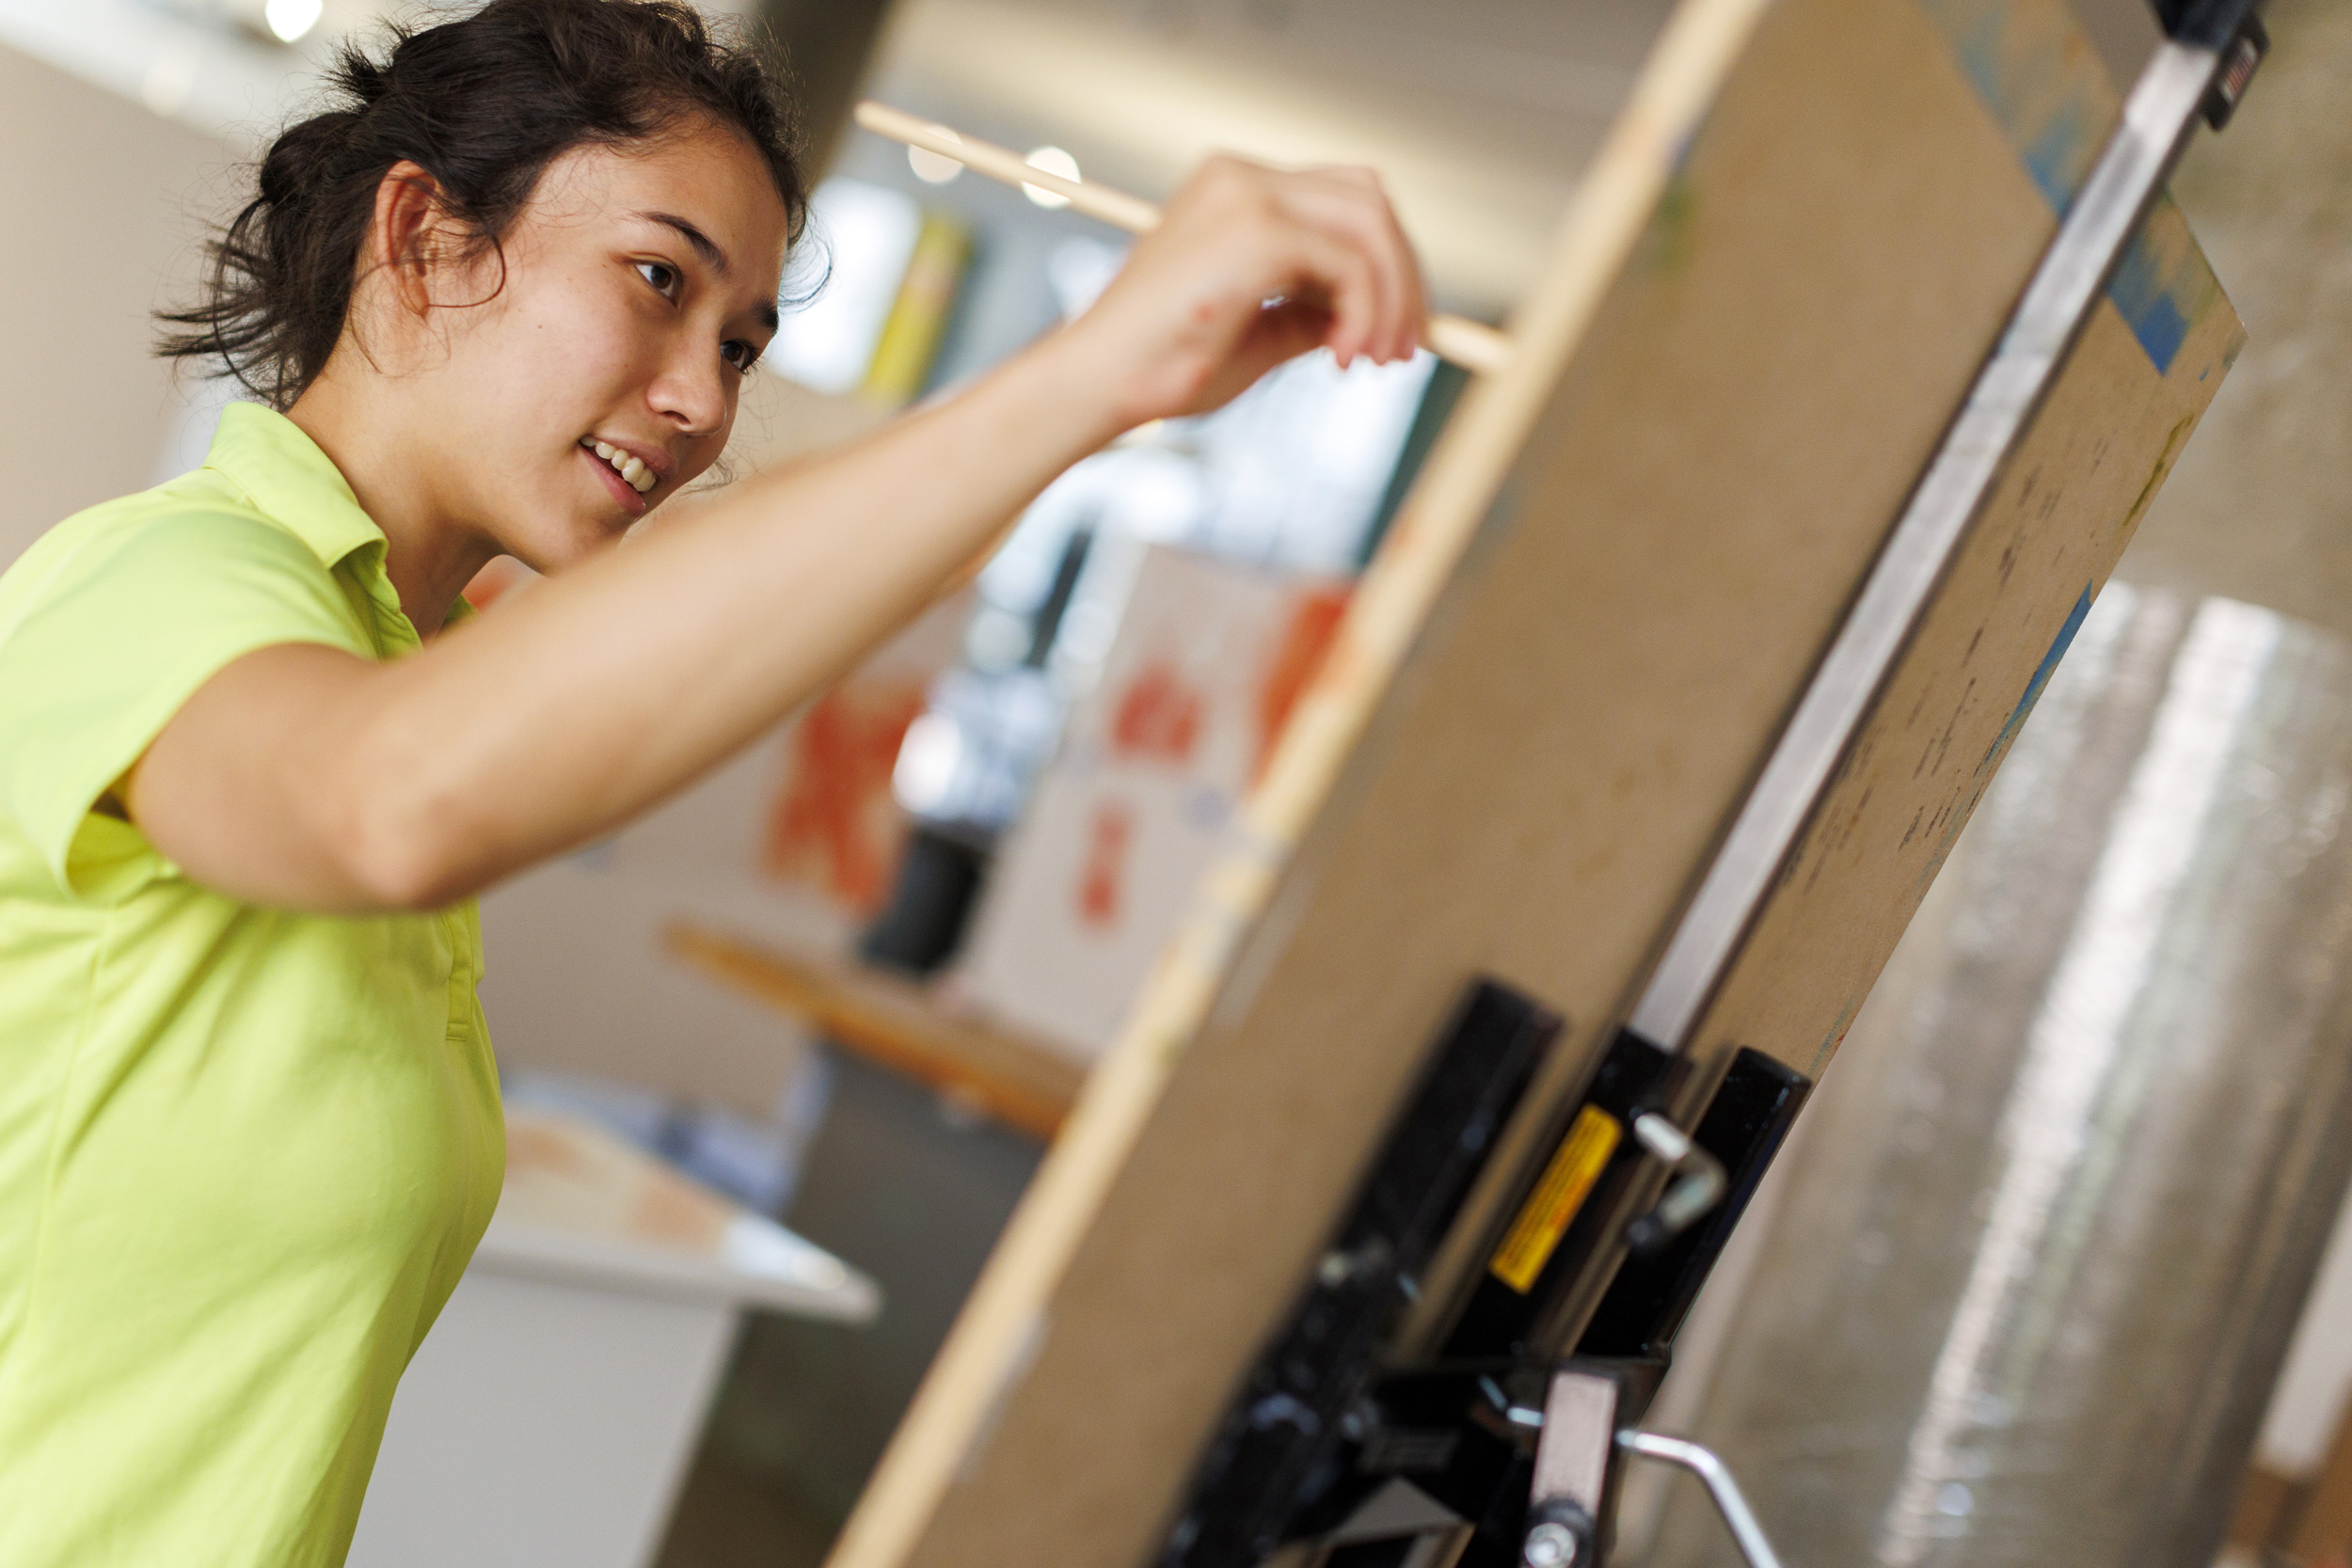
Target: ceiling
x=1479, y=113
x=185, y=61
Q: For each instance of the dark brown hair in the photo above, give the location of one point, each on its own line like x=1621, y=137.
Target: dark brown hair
x=484, y=104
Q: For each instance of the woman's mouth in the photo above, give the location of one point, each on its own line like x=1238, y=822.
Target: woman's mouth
x=629, y=466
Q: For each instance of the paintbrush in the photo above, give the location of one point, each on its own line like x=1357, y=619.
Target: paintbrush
x=1472, y=345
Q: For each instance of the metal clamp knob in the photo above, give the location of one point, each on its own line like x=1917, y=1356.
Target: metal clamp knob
x=1698, y=1183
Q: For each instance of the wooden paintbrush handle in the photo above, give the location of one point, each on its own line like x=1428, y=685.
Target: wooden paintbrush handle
x=1472, y=345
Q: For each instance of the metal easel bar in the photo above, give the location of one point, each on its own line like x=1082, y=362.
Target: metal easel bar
x=2200, y=71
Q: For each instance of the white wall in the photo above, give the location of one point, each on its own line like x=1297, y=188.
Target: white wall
x=104, y=203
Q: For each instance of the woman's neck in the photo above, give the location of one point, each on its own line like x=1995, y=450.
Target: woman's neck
x=429, y=554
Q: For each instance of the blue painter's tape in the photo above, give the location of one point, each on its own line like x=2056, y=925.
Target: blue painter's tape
x=2046, y=91
x=2041, y=674
x=2054, y=159
x=2150, y=296
x=2161, y=332
x=2040, y=81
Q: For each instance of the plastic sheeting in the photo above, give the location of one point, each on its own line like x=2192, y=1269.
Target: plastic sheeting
x=2047, y=1222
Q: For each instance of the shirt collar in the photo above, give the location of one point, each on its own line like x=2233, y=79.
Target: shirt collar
x=299, y=486
x=291, y=481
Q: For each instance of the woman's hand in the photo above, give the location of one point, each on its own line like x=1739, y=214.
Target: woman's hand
x=1248, y=267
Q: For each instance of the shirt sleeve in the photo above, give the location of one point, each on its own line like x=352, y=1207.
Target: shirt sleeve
x=119, y=633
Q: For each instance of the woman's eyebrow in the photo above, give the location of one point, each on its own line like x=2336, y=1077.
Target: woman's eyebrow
x=704, y=247
x=707, y=248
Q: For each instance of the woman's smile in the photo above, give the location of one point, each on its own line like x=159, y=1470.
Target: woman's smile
x=625, y=495
x=640, y=475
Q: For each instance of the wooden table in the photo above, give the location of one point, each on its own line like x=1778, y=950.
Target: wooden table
x=897, y=1023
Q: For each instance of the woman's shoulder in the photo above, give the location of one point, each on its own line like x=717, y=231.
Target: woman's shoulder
x=201, y=504
x=180, y=532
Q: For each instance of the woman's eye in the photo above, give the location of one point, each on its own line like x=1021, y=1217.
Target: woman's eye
x=742, y=355
x=663, y=277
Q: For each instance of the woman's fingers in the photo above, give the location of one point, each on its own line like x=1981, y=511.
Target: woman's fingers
x=1277, y=333
x=1349, y=285
x=1184, y=322
x=1328, y=232
x=1350, y=204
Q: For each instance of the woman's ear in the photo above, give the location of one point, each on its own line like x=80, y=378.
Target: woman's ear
x=412, y=235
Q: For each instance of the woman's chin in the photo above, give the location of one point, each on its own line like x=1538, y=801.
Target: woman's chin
x=549, y=550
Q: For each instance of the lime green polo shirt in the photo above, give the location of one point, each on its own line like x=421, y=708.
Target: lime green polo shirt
x=245, y=1153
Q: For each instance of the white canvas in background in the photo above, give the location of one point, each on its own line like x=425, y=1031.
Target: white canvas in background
x=1208, y=660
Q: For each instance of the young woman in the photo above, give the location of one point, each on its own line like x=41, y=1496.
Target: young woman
x=253, y=767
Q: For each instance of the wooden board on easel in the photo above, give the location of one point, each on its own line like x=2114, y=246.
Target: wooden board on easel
x=1553, y=687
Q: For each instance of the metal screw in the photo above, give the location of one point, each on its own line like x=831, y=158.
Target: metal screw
x=1551, y=1545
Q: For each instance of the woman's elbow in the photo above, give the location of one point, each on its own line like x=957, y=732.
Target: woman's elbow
x=409, y=861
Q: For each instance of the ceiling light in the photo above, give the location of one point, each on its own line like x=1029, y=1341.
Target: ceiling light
x=1053, y=160
x=289, y=21
x=933, y=169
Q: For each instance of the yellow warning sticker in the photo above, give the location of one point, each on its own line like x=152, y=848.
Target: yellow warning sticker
x=1546, y=1215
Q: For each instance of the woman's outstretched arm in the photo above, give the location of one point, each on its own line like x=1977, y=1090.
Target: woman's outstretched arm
x=303, y=777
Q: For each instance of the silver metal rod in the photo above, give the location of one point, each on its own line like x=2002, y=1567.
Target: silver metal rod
x=2157, y=119
x=1699, y=1180
x=1737, y=1518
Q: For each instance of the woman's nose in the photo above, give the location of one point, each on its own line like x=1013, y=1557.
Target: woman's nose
x=692, y=395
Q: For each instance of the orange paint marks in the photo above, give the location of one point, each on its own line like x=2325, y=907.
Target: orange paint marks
x=1158, y=716
x=1102, y=880
x=1314, y=622
x=834, y=823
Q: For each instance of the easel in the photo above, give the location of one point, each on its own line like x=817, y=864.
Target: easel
x=1677, y=801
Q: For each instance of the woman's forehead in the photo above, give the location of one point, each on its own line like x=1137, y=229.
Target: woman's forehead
x=707, y=177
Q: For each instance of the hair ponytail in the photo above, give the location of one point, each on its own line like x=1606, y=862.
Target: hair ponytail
x=484, y=104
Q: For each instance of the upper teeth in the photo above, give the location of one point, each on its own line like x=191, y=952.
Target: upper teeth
x=629, y=466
